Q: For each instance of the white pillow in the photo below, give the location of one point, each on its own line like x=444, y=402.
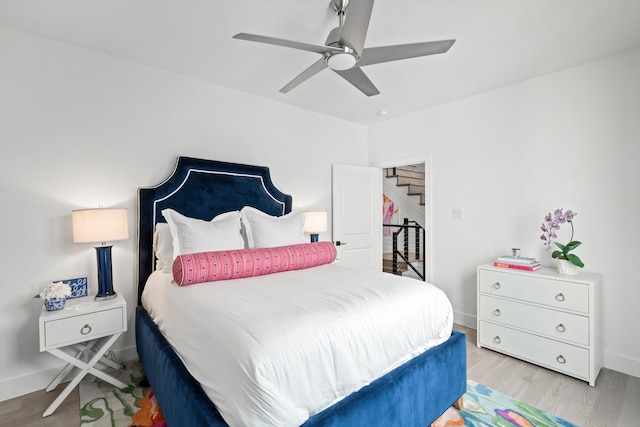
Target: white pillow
x=163, y=247
x=191, y=235
x=264, y=231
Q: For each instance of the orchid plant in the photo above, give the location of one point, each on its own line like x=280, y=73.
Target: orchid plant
x=57, y=290
x=552, y=224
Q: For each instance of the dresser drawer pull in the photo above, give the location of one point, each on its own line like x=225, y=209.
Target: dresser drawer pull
x=560, y=297
x=497, y=340
x=497, y=312
x=496, y=285
x=85, y=329
x=561, y=359
x=560, y=328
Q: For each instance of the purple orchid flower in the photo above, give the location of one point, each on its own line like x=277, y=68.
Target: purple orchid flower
x=552, y=224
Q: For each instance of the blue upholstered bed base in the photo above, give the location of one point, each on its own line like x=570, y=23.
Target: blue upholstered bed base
x=414, y=394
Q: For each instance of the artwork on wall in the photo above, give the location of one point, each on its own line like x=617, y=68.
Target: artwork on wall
x=389, y=213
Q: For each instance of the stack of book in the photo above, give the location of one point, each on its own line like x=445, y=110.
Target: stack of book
x=517, y=263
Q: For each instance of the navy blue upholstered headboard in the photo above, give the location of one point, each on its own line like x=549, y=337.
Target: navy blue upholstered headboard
x=202, y=189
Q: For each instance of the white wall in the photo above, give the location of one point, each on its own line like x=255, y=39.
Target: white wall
x=566, y=140
x=81, y=129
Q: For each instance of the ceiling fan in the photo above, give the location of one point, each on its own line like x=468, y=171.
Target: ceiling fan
x=344, y=50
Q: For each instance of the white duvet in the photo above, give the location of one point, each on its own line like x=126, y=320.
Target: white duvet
x=274, y=350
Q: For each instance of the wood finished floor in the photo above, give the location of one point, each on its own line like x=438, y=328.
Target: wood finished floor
x=613, y=402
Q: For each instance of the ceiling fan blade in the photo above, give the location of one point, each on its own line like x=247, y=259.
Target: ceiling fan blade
x=314, y=69
x=358, y=78
x=356, y=24
x=283, y=42
x=377, y=55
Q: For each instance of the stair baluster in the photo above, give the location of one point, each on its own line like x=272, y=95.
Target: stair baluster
x=405, y=256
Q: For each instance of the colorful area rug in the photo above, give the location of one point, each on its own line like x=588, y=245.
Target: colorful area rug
x=486, y=407
x=103, y=405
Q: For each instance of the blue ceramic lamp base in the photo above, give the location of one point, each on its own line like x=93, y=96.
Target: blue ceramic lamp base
x=105, y=276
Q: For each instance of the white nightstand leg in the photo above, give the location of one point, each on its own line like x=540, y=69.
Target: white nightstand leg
x=85, y=368
x=58, y=379
x=107, y=361
x=86, y=351
x=63, y=373
x=83, y=349
x=110, y=363
x=63, y=395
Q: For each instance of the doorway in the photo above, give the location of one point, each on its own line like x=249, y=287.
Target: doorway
x=407, y=214
x=357, y=220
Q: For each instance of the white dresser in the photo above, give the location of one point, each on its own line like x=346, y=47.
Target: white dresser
x=542, y=317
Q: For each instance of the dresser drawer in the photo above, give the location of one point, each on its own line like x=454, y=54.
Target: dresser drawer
x=83, y=327
x=554, y=324
x=553, y=293
x=546, y=352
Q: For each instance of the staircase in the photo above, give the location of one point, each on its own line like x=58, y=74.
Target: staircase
x=410, y=177
x=387, y=263
x=407, y=263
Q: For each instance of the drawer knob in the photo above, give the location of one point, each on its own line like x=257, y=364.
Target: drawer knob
x=497, y=340
x=85, y=329
x=560, y=297
x=497, y=312
x=560, y=328
x=561, y=359
x=496, y=285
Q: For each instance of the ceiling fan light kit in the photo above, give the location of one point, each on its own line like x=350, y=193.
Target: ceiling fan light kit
x=344, y=50
x=340, y=61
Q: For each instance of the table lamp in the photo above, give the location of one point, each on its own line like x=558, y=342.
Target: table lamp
x=314, y=223
x=101, y=225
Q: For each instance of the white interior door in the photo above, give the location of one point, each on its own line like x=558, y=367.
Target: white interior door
x=357, y=215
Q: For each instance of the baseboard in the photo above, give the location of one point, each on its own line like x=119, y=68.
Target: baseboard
x=621, y=363
x=18, y=386
x=464, y=319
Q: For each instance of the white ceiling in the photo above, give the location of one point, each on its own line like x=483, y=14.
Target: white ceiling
x=499, y=42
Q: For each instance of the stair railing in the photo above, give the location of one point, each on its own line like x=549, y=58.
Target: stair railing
x=419, y=240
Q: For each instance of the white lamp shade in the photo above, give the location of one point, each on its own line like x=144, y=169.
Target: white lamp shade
x=99, y=225
x=315, y=222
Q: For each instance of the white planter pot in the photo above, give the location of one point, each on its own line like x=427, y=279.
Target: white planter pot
x=565, y=267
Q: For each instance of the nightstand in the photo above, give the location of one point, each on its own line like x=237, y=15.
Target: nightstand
x=80, y=334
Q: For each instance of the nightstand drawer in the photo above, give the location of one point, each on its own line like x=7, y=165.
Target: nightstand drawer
x=83, y=327
x=554, y=324
x=555, y=355
x=553, y=293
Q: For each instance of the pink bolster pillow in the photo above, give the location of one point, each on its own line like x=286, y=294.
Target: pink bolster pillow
x=234, y=264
